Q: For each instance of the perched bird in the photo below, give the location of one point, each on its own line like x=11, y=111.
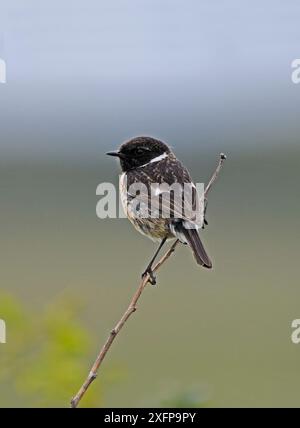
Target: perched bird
x=150, y=163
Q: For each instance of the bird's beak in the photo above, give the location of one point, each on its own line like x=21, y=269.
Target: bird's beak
x=117, y=154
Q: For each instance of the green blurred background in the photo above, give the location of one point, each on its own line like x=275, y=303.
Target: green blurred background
x=200, y=338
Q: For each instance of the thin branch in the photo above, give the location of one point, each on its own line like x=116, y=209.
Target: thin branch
x=131, y=308
x=215, y=174
x=133, y=305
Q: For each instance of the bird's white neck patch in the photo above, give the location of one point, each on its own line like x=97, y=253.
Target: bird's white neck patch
x=157, y=159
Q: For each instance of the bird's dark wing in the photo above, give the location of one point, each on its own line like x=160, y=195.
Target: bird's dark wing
x=167, y=191
x=185, y=214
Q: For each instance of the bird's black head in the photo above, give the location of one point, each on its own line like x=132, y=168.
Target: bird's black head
x=139, y=151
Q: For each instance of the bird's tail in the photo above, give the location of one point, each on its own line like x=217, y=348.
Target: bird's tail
x=192, y=238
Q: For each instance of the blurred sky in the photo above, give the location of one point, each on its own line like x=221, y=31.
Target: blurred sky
x=82, y=76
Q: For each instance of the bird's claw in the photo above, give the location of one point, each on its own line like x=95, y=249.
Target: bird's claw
x=152, y=278
x=205, y=223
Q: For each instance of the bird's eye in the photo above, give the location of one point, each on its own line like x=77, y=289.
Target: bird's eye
x=140, y=151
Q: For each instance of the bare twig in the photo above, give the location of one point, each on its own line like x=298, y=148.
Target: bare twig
x=215, y=174
x=133, y=305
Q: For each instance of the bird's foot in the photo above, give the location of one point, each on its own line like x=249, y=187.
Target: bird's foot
x=205, y=223
x=152, y=278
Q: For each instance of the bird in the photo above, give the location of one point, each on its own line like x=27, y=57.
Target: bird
x=148, y=163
